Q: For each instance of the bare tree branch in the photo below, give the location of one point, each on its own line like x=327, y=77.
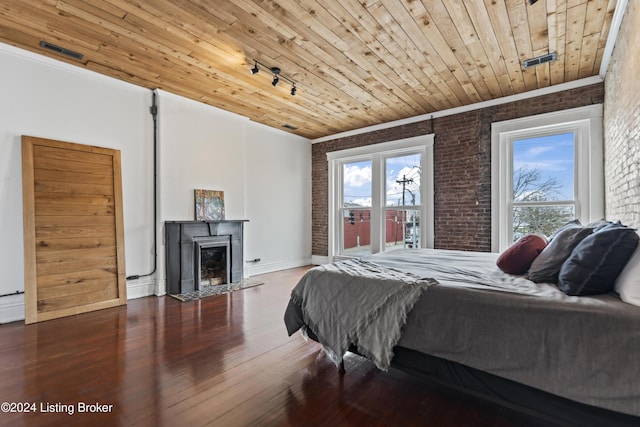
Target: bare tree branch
x=528, y=186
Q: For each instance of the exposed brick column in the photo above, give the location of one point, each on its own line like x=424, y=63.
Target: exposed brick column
x=622, y=123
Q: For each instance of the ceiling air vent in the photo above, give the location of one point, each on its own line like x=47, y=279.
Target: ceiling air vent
x=288, y=126
x=61, y=50
x=539, y=60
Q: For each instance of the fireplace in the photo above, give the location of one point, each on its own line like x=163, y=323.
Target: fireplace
x=203, y=253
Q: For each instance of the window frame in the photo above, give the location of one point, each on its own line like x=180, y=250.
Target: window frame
x=586, y=124
x=378, y=153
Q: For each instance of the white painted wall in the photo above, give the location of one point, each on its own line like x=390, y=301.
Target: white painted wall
x=264, y=173
x=199, y=147
x=51, y=99
x=278, y=199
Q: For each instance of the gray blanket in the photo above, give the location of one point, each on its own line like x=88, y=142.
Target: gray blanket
x=360, y=303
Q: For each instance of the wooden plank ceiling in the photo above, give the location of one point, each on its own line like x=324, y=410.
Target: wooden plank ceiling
x=354, y=63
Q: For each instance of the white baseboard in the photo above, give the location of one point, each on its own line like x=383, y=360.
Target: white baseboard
x=12, y=308
x=319, y=260
x=161, y=287
x=252, y=269
x=142, y=287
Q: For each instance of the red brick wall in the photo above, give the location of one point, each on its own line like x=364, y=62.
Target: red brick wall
x=462, y=175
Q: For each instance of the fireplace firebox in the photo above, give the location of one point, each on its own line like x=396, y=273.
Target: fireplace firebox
x=212, y=261
x=203, y=253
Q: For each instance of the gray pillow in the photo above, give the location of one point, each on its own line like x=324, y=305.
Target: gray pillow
x=546, y=267
x=594, y=265
x=600, y=224
x=570, y=224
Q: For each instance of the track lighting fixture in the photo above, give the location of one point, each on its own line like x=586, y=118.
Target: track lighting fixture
x=277, y=75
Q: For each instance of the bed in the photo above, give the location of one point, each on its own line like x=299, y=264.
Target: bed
x=459, y=319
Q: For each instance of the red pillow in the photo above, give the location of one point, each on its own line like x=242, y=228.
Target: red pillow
x=518, y=257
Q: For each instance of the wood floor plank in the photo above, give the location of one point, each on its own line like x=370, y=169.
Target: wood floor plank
x=220, y=361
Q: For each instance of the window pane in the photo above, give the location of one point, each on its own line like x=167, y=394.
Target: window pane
x=357, y=232
x=543, y=168
x=403, y=180
x=540, y=219
x=356, y=184
x=402, y=229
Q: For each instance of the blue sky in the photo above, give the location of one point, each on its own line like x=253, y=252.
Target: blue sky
x=357, y=180
x=552, y=155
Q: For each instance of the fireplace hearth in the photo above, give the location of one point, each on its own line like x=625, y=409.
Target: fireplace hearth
x=203, y=253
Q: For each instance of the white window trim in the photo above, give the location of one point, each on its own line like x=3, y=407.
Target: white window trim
x=422, y=144
x=586, y=123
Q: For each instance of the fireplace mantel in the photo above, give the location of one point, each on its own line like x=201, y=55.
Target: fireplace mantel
x=180, y=238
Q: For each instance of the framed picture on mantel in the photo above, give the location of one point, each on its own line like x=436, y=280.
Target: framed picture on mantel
x=209, y=205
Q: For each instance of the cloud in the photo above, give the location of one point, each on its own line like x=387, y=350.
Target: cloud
x=355, y=176
x=537, y=150
x=364, y=201
x=544, y=165
x=357, y=184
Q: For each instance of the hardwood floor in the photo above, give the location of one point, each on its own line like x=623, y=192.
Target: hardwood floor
x=219, y=361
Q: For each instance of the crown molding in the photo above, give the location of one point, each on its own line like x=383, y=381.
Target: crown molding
x=465, y=108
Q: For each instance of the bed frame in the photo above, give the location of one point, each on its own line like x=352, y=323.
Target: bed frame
x=506, y=392
x=511, y=394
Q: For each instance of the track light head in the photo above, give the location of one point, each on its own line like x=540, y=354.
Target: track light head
x=275, y=71
x=255, y=69
x=293, y=90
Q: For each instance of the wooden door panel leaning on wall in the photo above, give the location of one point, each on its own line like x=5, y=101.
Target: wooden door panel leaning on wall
x=73, y=229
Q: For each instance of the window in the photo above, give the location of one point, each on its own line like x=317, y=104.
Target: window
x=402, y=201
x=543, y=190
x=547, y=170
x=377, y=195
x=356, y=205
